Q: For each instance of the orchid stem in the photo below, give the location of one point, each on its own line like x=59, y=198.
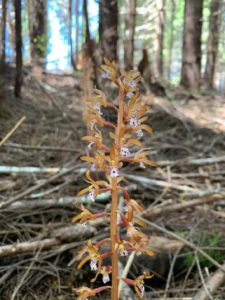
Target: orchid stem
x=114, y=293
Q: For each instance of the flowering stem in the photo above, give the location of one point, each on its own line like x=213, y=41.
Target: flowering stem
x=120, y=112
x=110, y=159
x=113, y=221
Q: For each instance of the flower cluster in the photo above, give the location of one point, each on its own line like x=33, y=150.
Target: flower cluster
x=109, y=158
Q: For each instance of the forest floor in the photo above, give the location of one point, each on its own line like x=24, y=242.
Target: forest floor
x=40, y=175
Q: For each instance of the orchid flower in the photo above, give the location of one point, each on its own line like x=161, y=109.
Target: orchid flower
x=95, y=138
x=94, y=187
x=122, y=247
x=108, y=70
x=141, y=158
x=85, y=216
x=98, y=161
x=130, y=80
x=134, y=235
x=85, y=292
x=138, y=283
x=93, y=255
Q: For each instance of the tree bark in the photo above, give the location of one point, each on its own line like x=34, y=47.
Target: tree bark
x=37, y=26
x=70, y=13
x=89, y=43
x=19, y=45
x=77, y=29
x=108, y=28
x=213, y=42
x=130, y=18
x=2, y=50
x=191, y=60
x=170, y=54
x=159, y=37
x=3, y=35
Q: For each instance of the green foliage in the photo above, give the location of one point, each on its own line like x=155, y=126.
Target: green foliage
x=210, y=243
x=41, y=43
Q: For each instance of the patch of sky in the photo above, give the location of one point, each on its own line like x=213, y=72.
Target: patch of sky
x=58, y=50
x=8, y=35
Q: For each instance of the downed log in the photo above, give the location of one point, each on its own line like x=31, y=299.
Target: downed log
x=57, y=237
x=158, y=211
x=17, y=197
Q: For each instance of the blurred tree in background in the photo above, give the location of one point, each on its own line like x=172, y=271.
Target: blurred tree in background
x=182, y=40
x=108, y=28
x=18, y=48
x=213, y=42
x=130, y=19
x=37, y=13
x=191, y=58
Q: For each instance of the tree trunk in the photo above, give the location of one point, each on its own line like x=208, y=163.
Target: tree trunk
x=170, y=50
x=159, y=37
x=89, y=45
x=70, y=13
x=2, y=50
x=3, y=35
x=213, y=42
x=129, y=33
x=77, y=29
x=18, y=39
x=191, y=60
x=108, y=28
x=37, y=26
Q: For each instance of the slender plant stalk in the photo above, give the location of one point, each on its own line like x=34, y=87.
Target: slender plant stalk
x=113, y=221
x=114, y=294
x=120, y=112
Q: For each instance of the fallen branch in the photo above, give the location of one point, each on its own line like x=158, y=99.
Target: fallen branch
x=158, y=211
x=206, y=161
x=148, y=182
x=192, y=161
x=17, y=170
x=124, y=289
x=60, y=202
x=187, y=191
x=43, y=148
x=212, y=285
x=57, y=237
x=186, y=242
x=12, y=130
x=30, y=190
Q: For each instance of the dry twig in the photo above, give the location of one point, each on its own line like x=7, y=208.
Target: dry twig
x=57, y=237
x=212, y=284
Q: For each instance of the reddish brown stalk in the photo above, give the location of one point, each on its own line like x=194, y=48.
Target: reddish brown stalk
x=120, y=112
x=109, y=124
x=113, y=231
x=113, y=221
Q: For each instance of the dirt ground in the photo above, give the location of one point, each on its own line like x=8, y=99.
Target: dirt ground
x=184, y=197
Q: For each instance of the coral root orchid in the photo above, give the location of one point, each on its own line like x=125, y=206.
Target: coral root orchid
x=107, y=153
